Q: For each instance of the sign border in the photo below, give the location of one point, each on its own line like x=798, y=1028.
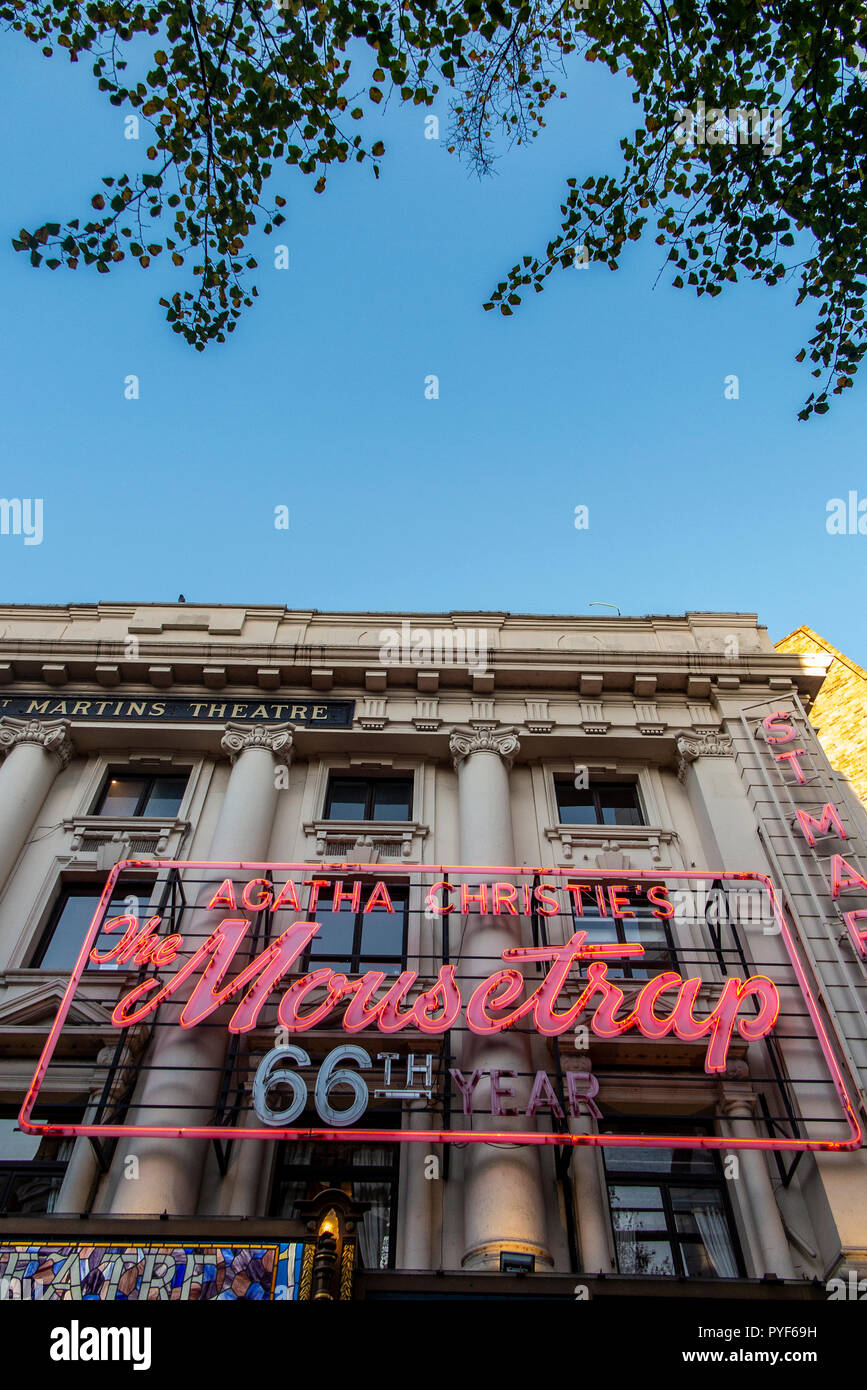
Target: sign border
x=434, y=1136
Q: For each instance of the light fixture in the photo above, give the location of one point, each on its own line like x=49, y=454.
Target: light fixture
x=516, y=1262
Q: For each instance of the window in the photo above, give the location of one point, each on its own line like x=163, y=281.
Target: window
x=369, y=798
x=653, y=933
x=32, y=1166
x=669, y=1208
x=134, y=794
x=353, y=942
x=366, y=1172
x=602, y=803
x=72, y=915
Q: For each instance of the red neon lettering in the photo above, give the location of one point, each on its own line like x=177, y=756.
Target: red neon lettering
x=341, y=895
x=132, y=925
x=287, y=897
x=314, y=884
x=658, y=895
x=617, y=900
x=379, y=898
x=467, y=897
x=497, y=992
x=648, y=1023
x=812, y=827
x=576, y=889
x=444, y=992
x=440, y=910
x=224, y=896
x=288, y=1014
x=791, y=758
x=600, y=899
x=384, y=1013
x=841, y=884
x=773, y=722
x=604, y=1022
x=508, y=892
x=858, y=936
x=262, y=900
x=261, y=975
x=548, y=905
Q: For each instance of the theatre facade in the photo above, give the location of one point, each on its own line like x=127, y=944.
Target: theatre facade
x=369, y=956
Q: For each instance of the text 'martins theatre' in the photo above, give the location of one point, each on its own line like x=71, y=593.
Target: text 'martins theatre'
x=365, y=956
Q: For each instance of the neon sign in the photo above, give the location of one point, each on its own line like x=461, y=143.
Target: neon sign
x=437, y=1009
x=606, y=987
x=845, y=878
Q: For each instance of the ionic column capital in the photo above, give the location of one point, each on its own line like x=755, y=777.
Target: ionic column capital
x=50, y=734
x=464, y=742
x=700, y=745
x=275, y=738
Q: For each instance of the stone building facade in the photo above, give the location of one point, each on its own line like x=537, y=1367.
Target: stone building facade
x=606, y=777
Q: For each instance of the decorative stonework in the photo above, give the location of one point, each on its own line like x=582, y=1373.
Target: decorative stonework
x=50, y=734
x=647, y=719
x=700, y=745
x=483, y=715
x=538, y=719
x=276, y=738
x=593, y=719
x=503, y=742
x=427, y=717
x=643, y=846
x=375, y=713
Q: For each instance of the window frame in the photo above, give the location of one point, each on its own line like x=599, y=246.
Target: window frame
x=370, y=783
x=628, y=968
x=359, y=960
x=665, y=1182
x=562, y=779
x=343, y=1172
x=81, y=888
x=147, y=779
x=48, y=1168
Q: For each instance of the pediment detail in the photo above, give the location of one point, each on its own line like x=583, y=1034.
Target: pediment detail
x=39, y=1005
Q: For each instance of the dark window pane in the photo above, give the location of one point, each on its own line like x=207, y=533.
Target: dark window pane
x=382, y=932
x=619, y=805
x=336, y=930
x=347, y=800
x=392, y=800
x=576, y=807
x=121, y=796
x=75, y=916
x=30, y=1190
x=627, y=1195
x=165, y=796
x=636, y=1254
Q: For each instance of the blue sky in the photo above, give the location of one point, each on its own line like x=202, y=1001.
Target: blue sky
x=603, y=392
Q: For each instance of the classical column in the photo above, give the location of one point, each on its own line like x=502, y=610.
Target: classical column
x=177, y=1091
x=707, y=769
x=768, y=1230
x=82, y=1172
x=239, y=1190
x=36, y=750
x=591, y=1198
x=503, y=1203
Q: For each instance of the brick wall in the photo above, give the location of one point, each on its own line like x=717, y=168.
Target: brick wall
x=839, y=713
